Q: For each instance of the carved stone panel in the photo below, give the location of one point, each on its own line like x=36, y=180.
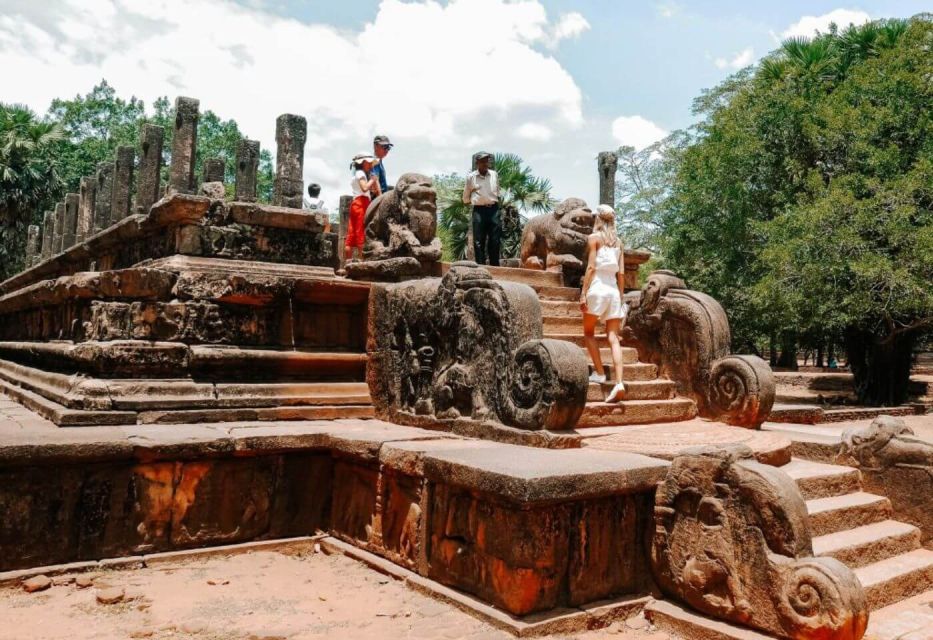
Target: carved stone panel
x=732, y=541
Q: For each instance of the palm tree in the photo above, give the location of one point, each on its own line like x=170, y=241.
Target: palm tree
x=522, y=194
x=28, y=178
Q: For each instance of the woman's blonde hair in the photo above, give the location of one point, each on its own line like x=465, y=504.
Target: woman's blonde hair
x=605, y=225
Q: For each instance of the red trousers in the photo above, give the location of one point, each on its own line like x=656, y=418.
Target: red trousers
x=355, y=231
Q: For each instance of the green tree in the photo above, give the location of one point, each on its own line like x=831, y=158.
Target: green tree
x=802, y=198
x=29, y=179
x=521, y=194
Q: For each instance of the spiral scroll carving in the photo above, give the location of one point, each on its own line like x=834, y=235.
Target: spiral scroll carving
x=820, y=595
x=741, y=389
x=548, y=388
x=732, y=541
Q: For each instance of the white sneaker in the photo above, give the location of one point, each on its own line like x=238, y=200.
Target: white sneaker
x=598, y=379
x=616, y=394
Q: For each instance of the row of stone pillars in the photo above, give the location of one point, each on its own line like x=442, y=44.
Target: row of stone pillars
x=106, y=197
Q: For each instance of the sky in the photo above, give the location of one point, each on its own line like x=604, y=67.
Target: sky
x=554, y=81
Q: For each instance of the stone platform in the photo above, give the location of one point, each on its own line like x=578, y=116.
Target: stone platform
x=448, y=508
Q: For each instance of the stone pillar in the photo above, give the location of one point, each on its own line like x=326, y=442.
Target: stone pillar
x=58, y=225
x=606, y=164
x=88, y=193
x=104, y=196
x=184, y=146
x=214, y=170
x=150, y=166
x=71, y=220
x=48, y=227
x=122, y=184
x=32, y=246
x=344, y=224
x=247, y=166
x=291, y=131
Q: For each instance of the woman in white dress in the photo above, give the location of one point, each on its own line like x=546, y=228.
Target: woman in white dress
x=601, y=296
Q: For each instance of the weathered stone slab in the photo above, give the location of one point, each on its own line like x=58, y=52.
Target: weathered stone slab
x=148, y=184
x=48, y=230
x=32, y=246
x=277, y=217
x=213, y=170
x=70, y=221
x=291, y=131
x=184, y=146
x=247, y=165
x=122, y=184
x=106, y=359
x=104, y=202
x=86, y=208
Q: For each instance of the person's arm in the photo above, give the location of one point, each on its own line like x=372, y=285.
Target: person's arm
x=366, y=185
x=467, y=190
x=592, y=246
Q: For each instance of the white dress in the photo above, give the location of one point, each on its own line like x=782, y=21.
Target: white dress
x=603, y=298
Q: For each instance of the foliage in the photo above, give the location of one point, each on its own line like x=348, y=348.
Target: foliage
x=802, y=200
x=521, y=194
x=29, y=178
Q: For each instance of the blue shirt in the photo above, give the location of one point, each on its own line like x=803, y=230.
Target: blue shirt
x=380, y=172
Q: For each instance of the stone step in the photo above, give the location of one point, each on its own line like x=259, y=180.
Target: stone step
x=561, y=308
x=527, y=276
x=897, y=578
x=602, y=414
x=567, y=324
x=634, y=371
x=869, y=543
x=577, y=338
x=629, y=356
x=837, y=513
x=634, y=390
x=244, y=414
x=819, y=480
x=570, y=294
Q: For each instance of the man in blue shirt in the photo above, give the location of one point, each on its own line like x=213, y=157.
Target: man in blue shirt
x=381, y=148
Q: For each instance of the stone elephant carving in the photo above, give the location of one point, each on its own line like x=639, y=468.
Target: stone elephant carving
x=466, y=348
x=732, y=541
x=686, y=334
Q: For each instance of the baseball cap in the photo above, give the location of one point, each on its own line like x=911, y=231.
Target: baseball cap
x=383, y=141
x=483, y=155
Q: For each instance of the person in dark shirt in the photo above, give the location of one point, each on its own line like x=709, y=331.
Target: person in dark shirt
x=381, y=147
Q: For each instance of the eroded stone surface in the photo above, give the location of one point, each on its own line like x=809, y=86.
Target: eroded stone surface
x=732, y=541
x=557, y=241
x=291, y=132
x=686, y=334
x=148, y=184
x=184, y=145
x=467, y=346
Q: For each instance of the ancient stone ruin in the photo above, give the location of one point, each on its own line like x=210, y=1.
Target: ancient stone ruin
x=434, y=417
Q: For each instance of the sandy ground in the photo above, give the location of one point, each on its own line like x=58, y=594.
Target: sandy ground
x=260, y=595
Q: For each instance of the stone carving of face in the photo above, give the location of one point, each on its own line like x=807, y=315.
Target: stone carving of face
x=576, y=219
x=418, y=202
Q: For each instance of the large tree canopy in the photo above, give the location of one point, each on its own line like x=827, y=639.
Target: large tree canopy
x=803, y=200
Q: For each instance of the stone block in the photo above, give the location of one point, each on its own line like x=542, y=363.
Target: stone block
x=122, y=183
x=303, y=494
x=32, y=246
x=70, y=221
x=148, y=184
x=86, y=208
x=48, y=230
x=184, y=146
x=355, y=493
x=214, y=170
x=291, y=132
x=247, y=165
x=104, y=202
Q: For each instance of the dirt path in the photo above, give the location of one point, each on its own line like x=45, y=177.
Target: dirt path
x=259, y=595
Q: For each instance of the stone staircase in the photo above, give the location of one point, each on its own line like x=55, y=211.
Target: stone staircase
x=858, y=529
x=649, y=398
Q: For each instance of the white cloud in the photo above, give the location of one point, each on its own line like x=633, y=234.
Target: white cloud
x=807, y=26
x=636, y=131
x=439, y=79
x=570, y=25
x=534, y=131
x=740, y=60
x=667, y=9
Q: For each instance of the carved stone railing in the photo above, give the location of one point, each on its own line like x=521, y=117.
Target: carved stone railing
x=686, y=334
x=732, y=541
x=465, y=353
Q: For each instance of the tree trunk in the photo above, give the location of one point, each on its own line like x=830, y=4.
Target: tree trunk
x=819, y=354
x=772, y=350
x=881, y=369
x=788, y=359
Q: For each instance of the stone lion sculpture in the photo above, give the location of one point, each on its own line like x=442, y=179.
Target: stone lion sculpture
x=401, y=231
x=556, y=241
x=732, y=540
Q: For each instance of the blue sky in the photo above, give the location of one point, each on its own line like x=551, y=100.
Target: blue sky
x=552, y=80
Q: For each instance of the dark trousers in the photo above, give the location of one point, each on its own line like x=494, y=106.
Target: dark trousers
x=487, y=233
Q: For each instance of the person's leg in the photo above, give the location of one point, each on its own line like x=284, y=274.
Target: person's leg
x=495, y=235
x=479, y=236
x=589, y=339
x=613, y=328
